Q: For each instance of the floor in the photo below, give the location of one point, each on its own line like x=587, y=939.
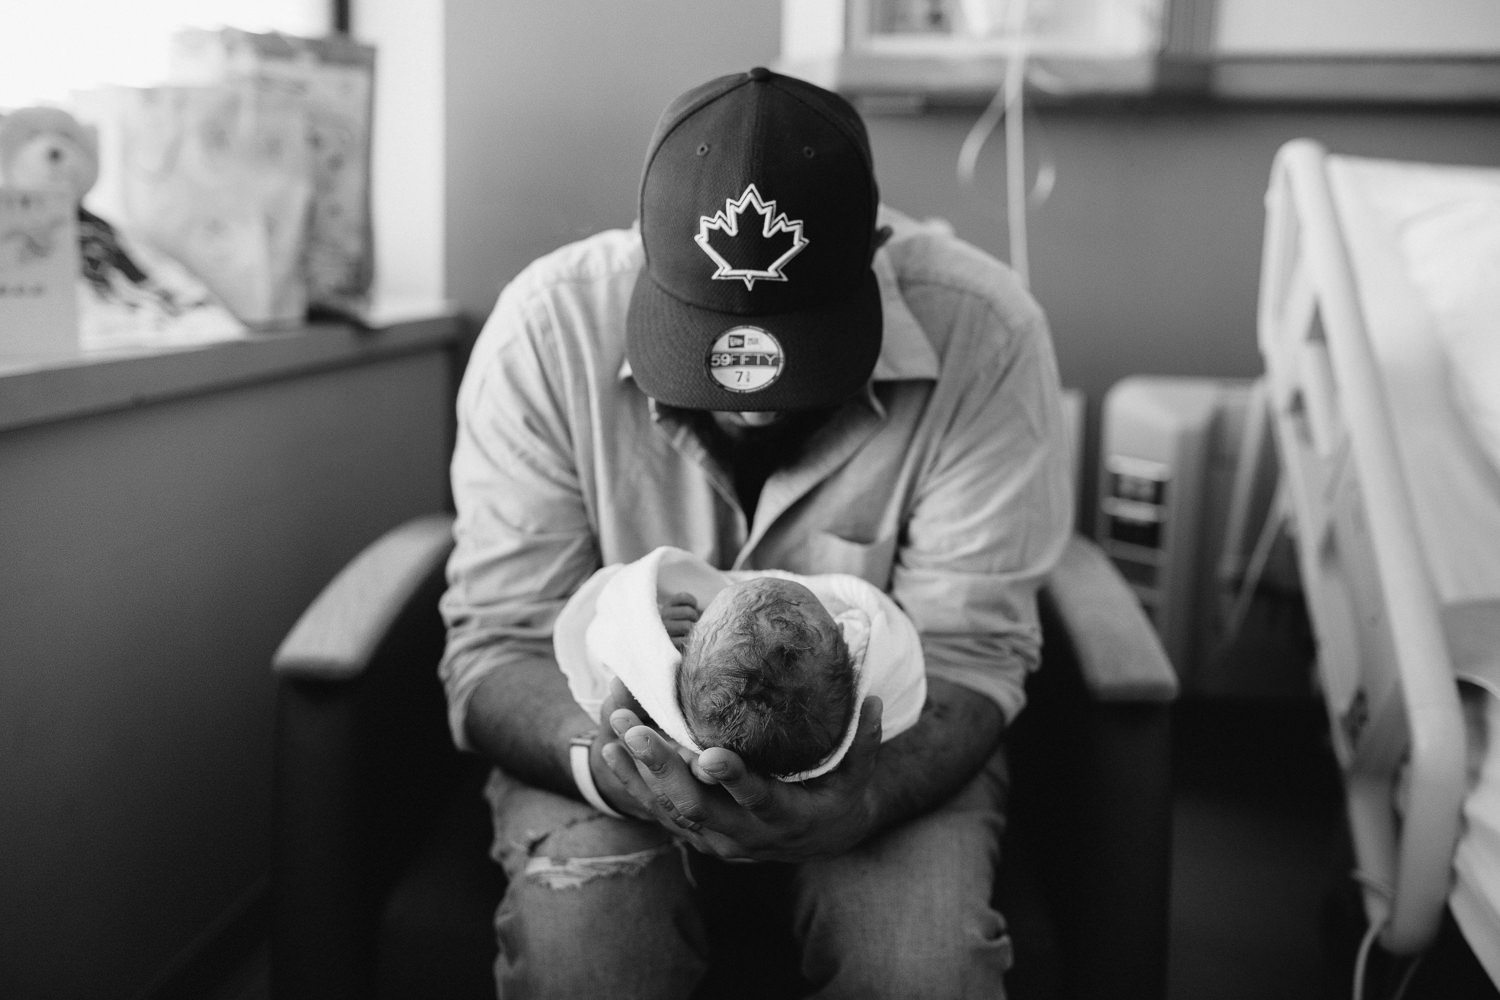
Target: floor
x=249, y=982
x=1257, y=848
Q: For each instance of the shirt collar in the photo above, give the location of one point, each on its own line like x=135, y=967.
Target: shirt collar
x=905, y=353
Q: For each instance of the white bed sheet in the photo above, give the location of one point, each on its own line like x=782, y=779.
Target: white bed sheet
x=1396, y=217
x=1387, y=210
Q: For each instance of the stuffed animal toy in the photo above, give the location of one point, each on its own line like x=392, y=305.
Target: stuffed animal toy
x=44, y=147
x=48, y=147
x=134, y=294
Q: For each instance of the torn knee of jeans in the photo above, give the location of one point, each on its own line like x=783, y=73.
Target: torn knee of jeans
x=570, y=873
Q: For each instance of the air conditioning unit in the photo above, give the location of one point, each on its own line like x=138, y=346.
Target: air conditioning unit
x=1187, y=510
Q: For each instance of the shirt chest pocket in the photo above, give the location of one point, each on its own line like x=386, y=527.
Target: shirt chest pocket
x=825, y=552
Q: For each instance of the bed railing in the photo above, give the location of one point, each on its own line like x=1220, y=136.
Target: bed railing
x=1383, y=661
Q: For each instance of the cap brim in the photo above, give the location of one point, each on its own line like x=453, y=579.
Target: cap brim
x=828, y=352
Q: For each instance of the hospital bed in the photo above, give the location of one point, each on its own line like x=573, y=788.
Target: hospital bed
x=1379, y=322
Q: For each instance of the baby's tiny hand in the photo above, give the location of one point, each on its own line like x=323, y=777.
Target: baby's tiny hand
x=678, y=613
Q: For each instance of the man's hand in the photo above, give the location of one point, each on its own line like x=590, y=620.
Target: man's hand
x=715, y=803
x=610, y=787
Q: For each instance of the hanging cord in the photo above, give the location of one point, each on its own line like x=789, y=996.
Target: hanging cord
x=1361, y=962
x=983, y=128
x=1015, y=167
x=1406, y=978
x=1007, y=107
x=1362, y=956
x=1278, y=520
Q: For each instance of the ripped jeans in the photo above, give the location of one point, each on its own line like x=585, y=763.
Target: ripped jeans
x=600, y=907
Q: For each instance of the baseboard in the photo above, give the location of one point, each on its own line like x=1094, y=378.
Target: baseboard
x=222, y=948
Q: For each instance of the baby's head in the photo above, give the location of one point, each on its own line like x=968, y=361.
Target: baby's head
x=766, y=673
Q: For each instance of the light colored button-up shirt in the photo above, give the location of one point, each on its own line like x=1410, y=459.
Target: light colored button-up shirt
x=946, y=483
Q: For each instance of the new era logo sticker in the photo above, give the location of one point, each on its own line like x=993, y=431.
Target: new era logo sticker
x=745, y=359
x=749, y=240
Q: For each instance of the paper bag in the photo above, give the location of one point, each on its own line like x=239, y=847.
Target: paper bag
x=219, y=179
x=334, y=78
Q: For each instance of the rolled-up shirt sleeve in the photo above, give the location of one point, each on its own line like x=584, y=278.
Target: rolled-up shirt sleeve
x=991, y=520
x=522, y=541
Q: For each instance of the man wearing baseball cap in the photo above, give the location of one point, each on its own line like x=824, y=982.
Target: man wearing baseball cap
x=772, y=371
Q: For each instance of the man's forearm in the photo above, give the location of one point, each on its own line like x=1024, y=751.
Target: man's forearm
x=521, y=716
x=926, y=765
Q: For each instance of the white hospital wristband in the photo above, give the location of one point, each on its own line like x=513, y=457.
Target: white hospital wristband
x=578, y=753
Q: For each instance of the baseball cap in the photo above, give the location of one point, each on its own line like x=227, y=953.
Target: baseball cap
x=757, y=213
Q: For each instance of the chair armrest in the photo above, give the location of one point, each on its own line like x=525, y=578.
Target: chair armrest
x=1091, y=758
x=339, y=632
x=1118, y=653
x=362, y=759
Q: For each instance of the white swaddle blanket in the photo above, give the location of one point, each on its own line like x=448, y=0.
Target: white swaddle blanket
x=612, y=628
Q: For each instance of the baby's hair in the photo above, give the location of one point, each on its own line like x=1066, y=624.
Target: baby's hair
x=771, y=683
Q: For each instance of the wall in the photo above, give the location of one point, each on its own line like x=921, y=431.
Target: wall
x=1147, y=253
x=406, y=185
x=158, y=539
x=550, y=106
x=1146, y=256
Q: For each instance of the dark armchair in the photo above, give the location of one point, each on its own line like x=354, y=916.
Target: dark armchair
x=381, y=884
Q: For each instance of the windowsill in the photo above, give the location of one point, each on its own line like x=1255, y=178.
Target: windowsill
x=914, y=82
x=922, y=79
x=40, y=391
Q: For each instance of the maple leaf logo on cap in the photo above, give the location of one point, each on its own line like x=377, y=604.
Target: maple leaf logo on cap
x=756, y=253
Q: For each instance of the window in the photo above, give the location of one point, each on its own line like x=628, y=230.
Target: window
x=61, y=46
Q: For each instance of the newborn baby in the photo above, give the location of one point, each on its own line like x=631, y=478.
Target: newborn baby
x=769, y=664
x=765, y=672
